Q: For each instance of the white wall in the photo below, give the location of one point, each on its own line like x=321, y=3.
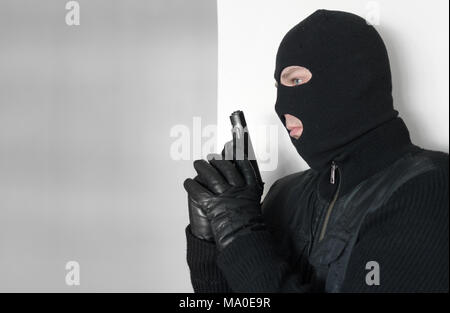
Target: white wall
x=416, y=35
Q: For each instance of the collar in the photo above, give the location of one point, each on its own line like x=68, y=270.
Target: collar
x=365, y=156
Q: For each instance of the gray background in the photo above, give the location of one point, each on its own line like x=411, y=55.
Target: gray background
x=85, y=116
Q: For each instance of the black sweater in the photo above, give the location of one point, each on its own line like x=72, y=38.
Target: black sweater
x=408, y=236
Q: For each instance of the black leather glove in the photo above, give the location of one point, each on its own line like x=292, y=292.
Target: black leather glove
x=230, y=196
x=199, y=223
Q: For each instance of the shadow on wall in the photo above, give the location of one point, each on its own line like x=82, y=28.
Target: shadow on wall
x=401, y=92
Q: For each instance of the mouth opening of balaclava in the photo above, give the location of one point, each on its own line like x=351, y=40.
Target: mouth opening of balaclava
x=349, y=93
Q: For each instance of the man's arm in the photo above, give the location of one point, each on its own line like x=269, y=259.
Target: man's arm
x=251, y=264
x=247, y=255
x=201, y=258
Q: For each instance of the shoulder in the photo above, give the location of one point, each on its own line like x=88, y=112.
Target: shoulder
x=408, y=234
x=420, y=202
x=430, y=182
x=419, y=175
x=438, y=158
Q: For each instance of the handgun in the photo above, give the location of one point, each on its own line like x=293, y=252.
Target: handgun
x=242, y=144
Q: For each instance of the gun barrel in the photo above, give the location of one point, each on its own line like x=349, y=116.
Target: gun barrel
x=237, y=119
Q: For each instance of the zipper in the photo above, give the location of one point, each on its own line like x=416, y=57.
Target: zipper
x=333, y=172
x=334, y=167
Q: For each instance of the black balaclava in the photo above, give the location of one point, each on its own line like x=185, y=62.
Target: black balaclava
x=349, y=93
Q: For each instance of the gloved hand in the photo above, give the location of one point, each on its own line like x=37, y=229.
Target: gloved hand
x=230, y=196
x=199, y=223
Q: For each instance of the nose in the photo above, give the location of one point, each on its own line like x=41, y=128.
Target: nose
x=292, y=121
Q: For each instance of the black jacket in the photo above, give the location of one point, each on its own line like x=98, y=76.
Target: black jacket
x=388, y=204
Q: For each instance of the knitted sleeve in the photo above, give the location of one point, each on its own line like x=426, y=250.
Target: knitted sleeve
x=201, y=258
x=251, y=264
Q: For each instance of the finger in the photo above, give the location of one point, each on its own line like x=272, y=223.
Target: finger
x=214, y=156
x=227, y=152
x=247, y=172
x=199, y=180
x=196, y=191
x=211, y=177
x=229, y=171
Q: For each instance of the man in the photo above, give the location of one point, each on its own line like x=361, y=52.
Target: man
x=370, y=215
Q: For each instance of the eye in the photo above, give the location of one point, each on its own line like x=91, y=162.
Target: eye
x=295, y=75
x=297, y=81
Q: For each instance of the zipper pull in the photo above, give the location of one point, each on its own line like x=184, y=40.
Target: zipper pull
x=333, y=172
